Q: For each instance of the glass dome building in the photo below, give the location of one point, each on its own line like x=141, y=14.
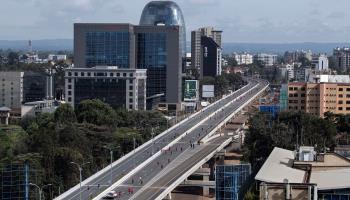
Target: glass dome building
x=165, y=13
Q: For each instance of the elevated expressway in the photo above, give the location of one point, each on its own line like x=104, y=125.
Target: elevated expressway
x=154, y=176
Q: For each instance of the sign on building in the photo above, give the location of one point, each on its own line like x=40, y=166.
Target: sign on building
x=207, y=91
x=191, y=90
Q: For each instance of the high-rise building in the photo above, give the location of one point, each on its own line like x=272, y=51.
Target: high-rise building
x=318, y=98
x=158, y=44
x=266, y=59
x=342, y=58
x=320, y=62
x=212, y=56
x=201, y=40
x=11, y=90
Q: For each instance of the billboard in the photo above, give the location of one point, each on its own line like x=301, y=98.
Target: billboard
x=191, y=90
x=208, y=91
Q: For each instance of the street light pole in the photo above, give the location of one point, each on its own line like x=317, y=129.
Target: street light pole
x=80, y=167
x=40, y=189
x=111, y=170
x=152, y=141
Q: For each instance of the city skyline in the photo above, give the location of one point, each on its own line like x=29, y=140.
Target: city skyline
x=242, y=21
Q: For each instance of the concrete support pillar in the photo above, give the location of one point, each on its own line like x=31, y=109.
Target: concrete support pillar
x=7, y=120
x=168, y=196
x=206, y=188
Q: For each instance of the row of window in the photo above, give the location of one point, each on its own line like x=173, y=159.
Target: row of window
x=341, y=102
x=341, y=96
x=296, y=88
x=111, y=74
x=341, y=108
x=347, y=89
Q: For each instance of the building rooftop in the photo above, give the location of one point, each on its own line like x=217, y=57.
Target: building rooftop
x=329, y=171
x=278, y=167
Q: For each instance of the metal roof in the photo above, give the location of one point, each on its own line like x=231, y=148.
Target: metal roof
x=278, y=168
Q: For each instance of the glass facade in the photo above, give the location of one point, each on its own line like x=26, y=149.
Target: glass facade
x=166, y=13
x=110, y=91
x=34, y=86
x=152, y=55
x=230, y=179
x=107, y=49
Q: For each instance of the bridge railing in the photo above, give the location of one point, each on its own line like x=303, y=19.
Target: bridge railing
x=122, y=159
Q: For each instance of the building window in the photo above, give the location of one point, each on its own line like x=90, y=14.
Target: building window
x=124, y=74
x=340, y=89
x=340, y=96
x=340, y=108
x=130, y=87
x=130, y=100
x=82, y=73
x=130, y=106
x=69, y=92
x=303, y=89
x=69, y=86
x=75, y=73
x=296, y=95
x=347, y=102
x=130, y=81
x=348, y=89
x=69, y=73
x=290, y=95
x=118, y=74
x=130, y=93
x=302, y=95
x=340, y=102
x=69, y=80
x=347, y=108
x=69, y=99
x=291, y=88
x=290, y=101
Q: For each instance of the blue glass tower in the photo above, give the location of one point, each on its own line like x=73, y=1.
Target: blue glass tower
x=166, y=13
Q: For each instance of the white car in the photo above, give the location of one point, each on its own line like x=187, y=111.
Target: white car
x=111, y=195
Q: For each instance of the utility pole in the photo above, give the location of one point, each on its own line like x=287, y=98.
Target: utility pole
x=80, y=167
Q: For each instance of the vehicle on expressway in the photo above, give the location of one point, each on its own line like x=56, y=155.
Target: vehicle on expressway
x=111, y=195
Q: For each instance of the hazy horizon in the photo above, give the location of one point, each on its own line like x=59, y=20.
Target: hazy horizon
x=243, y=21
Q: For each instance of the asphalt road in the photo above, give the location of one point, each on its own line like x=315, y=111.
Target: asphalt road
x=157, y=165
x=166, y=179
x=91, y=189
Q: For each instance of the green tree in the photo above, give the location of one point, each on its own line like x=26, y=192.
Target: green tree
x=96, y=112
x=65, y=114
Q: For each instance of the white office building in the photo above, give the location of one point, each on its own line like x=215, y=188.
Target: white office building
x=243, y=59
x=320, y=62
x=266, y=59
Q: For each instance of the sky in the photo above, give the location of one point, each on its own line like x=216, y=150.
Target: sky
x=255, y=21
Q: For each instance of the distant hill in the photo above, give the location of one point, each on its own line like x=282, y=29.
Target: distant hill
x=280, y=48
x=38, y=45
x=277, y=48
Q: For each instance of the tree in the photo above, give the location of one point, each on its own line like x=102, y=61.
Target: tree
x=12, y=58
x=65, y=114
x=96, y=112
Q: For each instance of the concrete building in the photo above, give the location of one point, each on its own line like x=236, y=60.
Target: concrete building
x=4, y=115
x=212, y=55
x=56, y=57
x=118, y=87
x=318, y=98
x=11, y=90
x=320, y=62
x=266, y=59
x=32, y=109
x=243, y=59
x=342, y=58
x=158, y=44
x=201, y=40
x=304, y=175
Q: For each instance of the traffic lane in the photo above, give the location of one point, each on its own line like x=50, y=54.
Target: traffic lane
x=104, y=179
x=159, y=186
x=153, y=169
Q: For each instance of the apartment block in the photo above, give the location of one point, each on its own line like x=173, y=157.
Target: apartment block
x=319, y=98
